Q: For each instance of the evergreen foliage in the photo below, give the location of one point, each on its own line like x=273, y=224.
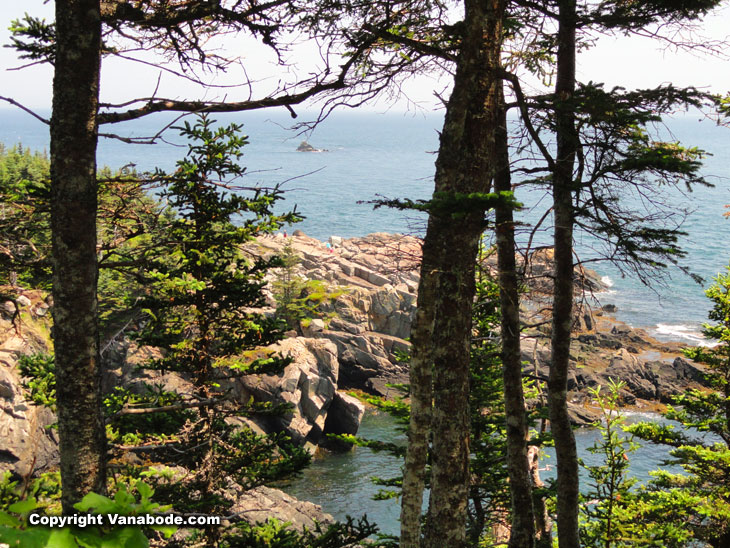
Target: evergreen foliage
x=298, y=301
x=184, y=267
x=129, y=223
x=605, y=522
x=616, y=512
x=698, y=501
x=288, y=288
x=623, y=155
x=24, y=217
x=200, y=308
x=274, y=534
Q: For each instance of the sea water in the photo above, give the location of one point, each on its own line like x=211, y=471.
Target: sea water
x=368, y=156
x=343, y=483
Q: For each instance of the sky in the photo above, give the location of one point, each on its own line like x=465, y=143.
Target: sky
x=627, y=61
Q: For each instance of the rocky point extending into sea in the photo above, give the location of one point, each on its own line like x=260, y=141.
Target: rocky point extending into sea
x=354, y=346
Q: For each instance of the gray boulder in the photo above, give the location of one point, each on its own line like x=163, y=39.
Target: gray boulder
x=344, y=415
x=259, y=504
x=392, y=312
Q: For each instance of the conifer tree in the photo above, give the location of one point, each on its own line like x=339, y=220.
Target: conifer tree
x=288, y=288
x=604, y=152
x=200, y=308
x=605, y=521
x=24, y=223
x=73, y=45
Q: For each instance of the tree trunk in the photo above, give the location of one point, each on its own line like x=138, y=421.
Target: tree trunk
x=442, y=334
x=446, y=520
x=73, y=221
x=522, y=534
x=567, y=143
x=543, y=525
x=421, y=365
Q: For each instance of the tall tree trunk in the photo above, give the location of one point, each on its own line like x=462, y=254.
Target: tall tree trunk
x=421, y=366
x=442, y=334
x=73, y=222
x=446, y=520
x=522, y=533
x=567, y=143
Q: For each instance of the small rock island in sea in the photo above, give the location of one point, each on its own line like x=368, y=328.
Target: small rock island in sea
x=304, y=146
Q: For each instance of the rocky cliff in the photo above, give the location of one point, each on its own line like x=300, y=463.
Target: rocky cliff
x=28, y=444
x=355, y=343
x=370, y=322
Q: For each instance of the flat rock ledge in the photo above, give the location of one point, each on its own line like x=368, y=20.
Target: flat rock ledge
x=262, y=503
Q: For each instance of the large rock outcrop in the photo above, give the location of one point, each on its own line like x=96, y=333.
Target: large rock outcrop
x=28, y=444
x=355, y=344
x=370, y=322
x=262, y=503
x=309, y=384
x=371, y=319
x=652, y=370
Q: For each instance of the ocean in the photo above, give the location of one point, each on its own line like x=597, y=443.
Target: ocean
x=342, y=482
x=367, y=156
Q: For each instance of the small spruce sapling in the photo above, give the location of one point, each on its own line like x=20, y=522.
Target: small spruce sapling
x=605, y=523
x=288, y=288
x=299, y=300
x=618, y=513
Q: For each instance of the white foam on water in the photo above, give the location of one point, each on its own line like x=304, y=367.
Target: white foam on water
x=604, y=292
x=637, y=416
x=683, y=332
x=608, y=282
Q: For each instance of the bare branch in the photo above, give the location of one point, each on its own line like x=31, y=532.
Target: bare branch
x=167, y=408
x=26, y=109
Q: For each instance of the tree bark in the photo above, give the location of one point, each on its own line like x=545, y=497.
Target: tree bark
x=543, y=525
x=522, y=533
x=442, y=334
x=73, y=221
x=567, y=143
x=420, y=377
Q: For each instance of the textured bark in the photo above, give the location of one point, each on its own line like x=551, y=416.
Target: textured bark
x=420, y=421
x=567, y=143
x=522, y=534
x=446, y=520
x=73, y=221
x=442, y=334
x=543, y=525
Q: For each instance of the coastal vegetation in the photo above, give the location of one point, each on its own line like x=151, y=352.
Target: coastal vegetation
x=168, y=262
x=697, y=501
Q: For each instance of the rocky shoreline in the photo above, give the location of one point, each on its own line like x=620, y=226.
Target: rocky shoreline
x=354, y=345
x=371, y=322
